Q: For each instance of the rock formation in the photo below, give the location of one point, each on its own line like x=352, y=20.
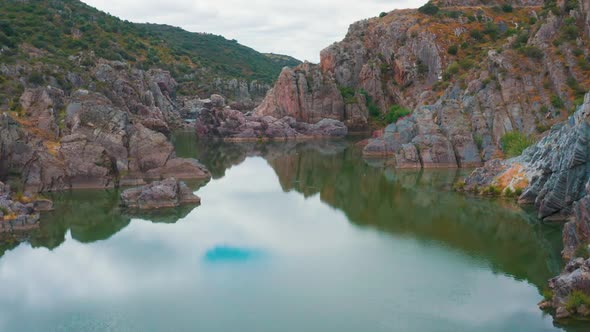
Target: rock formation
x=554, y=175
x=95, y=140
x=168, y=193
x=219, y=122
x=472, y=73
x=22, y=213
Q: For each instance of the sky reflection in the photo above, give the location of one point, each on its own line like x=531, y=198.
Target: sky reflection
x=326, y=273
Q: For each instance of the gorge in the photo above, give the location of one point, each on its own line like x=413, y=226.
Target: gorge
x=397, y=158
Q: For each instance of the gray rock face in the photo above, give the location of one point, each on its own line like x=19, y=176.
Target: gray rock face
x=555, y=177
x=22, y=214
x=418, y=141
x=168, y=193
x=100, y=145
x=574, y=278
x=308, y=95
x=233, y=125
x=555, y=172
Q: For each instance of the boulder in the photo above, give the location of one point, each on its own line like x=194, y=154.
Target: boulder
x=168, y=193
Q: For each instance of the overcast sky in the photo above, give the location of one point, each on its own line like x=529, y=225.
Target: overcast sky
x=300, y=28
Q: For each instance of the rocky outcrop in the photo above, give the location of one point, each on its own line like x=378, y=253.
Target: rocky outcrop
x=20, y=214
x=464, y=100
x=432, y=137
x=98, y=145
x=306, y=95
x=168, y=193
x=568, y=290
x=552, y=174
x=232, y=125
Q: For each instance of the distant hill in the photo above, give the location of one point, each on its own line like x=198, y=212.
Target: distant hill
x=39, y=34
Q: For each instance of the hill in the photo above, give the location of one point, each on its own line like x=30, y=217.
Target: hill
x=42, y=36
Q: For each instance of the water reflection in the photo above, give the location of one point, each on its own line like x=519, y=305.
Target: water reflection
x=300, y=237
x=418, y=204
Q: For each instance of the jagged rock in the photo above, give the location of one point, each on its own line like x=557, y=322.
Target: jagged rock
x=15, y=152
x=574, y=278
x=554, y=173
x=305, y=94
x=230, y=124
x=562, y=313
x=168, y=193
x=18, y=216
x=217, y=101
x=101, y=145
x=401, y=59
x=42, y=105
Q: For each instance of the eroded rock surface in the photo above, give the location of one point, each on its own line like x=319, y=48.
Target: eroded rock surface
x=225, y=123
x=115, y=132
x=463, y=103
x=20, y=214
x=168, y=193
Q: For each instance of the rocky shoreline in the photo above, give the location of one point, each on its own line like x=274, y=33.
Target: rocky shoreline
x=20, y=213
x=554, y=176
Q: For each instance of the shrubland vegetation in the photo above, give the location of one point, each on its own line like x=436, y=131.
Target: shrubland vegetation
x=514, y=143
x=45, y=34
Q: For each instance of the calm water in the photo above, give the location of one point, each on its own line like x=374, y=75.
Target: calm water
x=290, y=237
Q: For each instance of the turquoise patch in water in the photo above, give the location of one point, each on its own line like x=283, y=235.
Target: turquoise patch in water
x=231, y=254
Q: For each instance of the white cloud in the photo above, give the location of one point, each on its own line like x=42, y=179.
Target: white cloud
x=297, y=28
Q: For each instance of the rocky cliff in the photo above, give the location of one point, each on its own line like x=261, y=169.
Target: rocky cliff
x=554, y=176
x=471, y=72
x=85, y=139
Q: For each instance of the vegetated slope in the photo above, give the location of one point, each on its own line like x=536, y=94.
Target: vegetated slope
x=42, y=36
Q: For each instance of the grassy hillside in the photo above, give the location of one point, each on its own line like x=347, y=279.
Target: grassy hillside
x=40, y=34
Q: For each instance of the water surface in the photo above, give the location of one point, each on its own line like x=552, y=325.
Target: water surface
x=289, y=237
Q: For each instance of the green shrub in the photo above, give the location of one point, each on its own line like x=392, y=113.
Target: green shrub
x=428, y=9
x=478, y=141
x=348, y=94
x=383, y=14
x=532, y=52
x=459, y=185
x=570, y=5
x=514, y=143
x=491, y=29
x=466, y=64
x=547, y=294
x=36, y=78
x=576, y=299
x=570, y=32
x=582, y=251
x=374, y=110
x=395, y=113
x=506, y=8
x=492, y=191
x=452, y=70
x=452, y=50
x=421, y=67
x=476, y=34
x=4, y=210
x=557, y=102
